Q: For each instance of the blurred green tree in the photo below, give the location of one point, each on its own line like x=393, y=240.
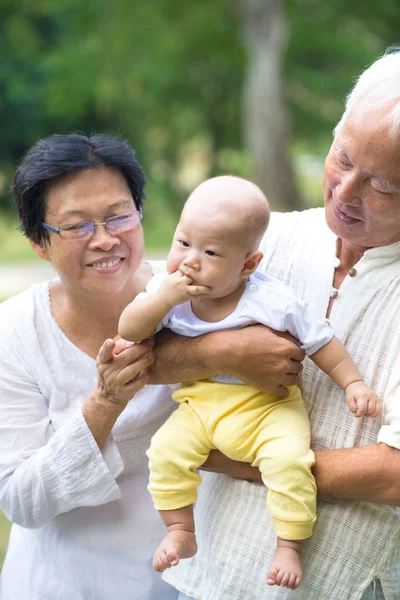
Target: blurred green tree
x=175, y=79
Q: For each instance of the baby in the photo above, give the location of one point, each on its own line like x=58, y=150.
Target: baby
x=212, y=285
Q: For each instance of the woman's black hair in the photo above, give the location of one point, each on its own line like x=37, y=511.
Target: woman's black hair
x=63, y=154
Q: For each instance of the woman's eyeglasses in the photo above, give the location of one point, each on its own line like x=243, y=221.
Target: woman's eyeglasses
x=85, y=229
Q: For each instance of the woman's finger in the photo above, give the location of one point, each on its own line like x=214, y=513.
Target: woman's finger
x=106, y=352
x=137, y=384
x=131, y=371
x=132, y=353
x=121, y=345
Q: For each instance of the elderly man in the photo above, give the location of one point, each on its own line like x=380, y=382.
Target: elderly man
x=345, y=262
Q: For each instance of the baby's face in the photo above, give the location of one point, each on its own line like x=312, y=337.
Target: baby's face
x=209, y=250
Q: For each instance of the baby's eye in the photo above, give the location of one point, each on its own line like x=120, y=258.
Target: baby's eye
x=210, y=253
x=183, y=243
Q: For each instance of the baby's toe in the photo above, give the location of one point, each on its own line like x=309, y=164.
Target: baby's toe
x=285, y=579
x=271, y=576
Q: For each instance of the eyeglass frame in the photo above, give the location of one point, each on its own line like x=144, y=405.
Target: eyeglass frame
x=58, y=230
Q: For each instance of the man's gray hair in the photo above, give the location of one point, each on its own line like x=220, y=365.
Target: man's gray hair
x=377, y=86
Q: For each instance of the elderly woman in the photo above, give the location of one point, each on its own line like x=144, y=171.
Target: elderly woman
x=345, y=261
x=73, y=430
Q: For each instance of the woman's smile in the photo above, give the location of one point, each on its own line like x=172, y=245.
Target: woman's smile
x=107, y=265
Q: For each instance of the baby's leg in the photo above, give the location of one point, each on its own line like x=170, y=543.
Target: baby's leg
x=180, y=541
x=178, y=448
x=284, y=457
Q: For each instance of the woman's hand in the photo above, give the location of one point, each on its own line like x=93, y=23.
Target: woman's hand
x=219, y=463
x=122, y=370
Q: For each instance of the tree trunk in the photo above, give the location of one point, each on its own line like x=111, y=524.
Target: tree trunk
x=266, y=126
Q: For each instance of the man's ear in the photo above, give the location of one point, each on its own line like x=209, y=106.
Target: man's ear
x=40, y=249
x=253, y=259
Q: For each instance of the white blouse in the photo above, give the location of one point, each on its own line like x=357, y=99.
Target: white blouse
x=84, y=524
x=353, y=542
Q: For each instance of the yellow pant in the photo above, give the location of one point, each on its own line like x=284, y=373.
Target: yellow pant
x=245, y=425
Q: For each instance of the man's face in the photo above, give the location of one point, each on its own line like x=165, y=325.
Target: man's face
x=362, y=182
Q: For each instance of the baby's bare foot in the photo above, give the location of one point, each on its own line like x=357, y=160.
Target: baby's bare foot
x=176, y=544
x=285, y=569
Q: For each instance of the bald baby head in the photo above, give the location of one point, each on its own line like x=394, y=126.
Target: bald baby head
x=234, y=206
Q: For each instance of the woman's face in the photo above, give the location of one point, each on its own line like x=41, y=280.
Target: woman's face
x=362, y=182
x=106, y=262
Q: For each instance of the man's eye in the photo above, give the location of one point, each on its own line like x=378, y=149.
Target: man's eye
x=345, y=163
x=383, y=192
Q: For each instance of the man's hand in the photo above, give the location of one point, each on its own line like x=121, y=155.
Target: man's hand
x=178, y=288
x=266, y=359
x=362, y=401
x=257, y=355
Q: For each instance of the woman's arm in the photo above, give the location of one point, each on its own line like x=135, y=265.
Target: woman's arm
x=45, y=472
x=369, y=474
x=257, y=355
x=121, y=374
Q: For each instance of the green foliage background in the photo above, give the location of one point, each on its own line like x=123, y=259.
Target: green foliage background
x=168, y=75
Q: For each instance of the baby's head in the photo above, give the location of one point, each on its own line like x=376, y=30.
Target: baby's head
x=218, y=234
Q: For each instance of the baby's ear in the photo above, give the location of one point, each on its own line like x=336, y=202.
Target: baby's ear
x=253, y=259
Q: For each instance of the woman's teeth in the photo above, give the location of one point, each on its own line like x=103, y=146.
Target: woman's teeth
x=106, y=264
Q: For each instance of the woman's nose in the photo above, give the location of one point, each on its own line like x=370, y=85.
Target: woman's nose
x=102, y=238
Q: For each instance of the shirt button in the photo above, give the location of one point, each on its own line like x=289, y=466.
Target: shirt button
x=252, y=287
x=352, y=272
x=334, y=293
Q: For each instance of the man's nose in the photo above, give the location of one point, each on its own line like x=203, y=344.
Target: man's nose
x=350, y=189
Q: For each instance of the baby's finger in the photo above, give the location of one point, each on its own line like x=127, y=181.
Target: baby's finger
x=184, y=277
x=106, y=352
x=197, y=290
x=352, y=404
x=362, y=405
x=374, y=407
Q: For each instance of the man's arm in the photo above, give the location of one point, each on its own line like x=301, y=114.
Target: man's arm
x=369, y=474
x=256, y=355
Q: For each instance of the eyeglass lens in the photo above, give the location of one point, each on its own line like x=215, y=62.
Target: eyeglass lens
x=116, y=224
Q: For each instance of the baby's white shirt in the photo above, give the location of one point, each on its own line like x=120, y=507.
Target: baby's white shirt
x=265, y=300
